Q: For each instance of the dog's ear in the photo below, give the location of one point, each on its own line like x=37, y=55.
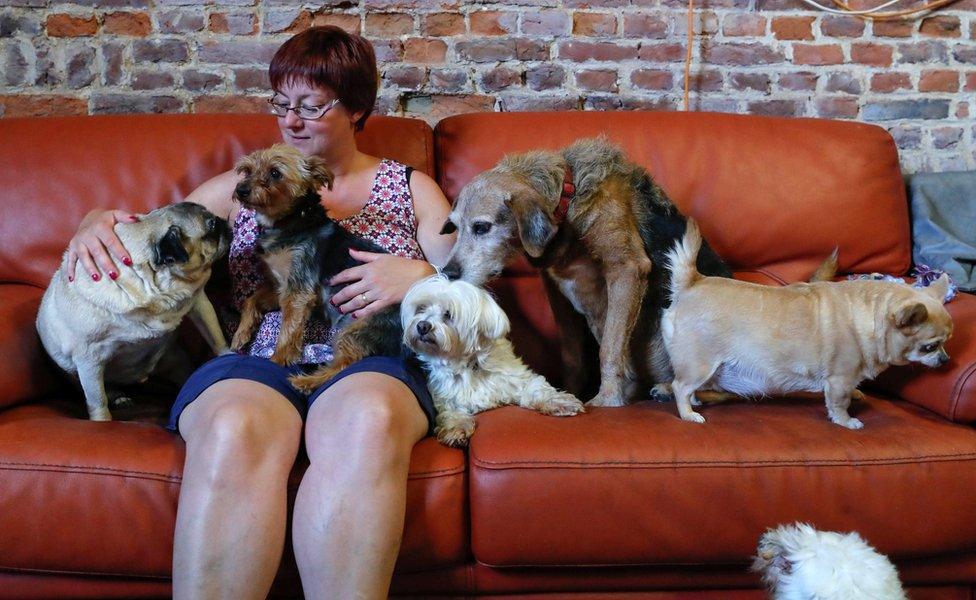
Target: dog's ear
x=939, y=288
x=910, y=315
x=449, y=227
x=535, y=226
x=493, y=323
x=321, y=175
x=170, y=249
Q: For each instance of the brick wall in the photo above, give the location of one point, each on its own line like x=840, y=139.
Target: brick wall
x=441, y=57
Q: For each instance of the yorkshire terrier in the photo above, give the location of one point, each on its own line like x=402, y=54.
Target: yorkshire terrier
x=457, y=331
x=302, y=248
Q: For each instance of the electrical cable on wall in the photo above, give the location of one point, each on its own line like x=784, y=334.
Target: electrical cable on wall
x=873, y=14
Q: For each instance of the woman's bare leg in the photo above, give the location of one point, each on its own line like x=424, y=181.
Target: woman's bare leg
x=242, y=438
x=350, y=507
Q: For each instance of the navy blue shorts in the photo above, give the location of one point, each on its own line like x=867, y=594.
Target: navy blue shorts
x=262, y=370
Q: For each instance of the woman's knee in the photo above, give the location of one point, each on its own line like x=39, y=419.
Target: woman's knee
x=238, y=429
x=385, y=419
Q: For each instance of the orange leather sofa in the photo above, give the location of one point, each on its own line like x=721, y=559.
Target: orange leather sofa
x=628, y=502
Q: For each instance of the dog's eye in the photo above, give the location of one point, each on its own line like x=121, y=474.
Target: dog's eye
x=929, y=348
x=420, y=308
x=275, y=173
x=447, y=315
x=480, y=228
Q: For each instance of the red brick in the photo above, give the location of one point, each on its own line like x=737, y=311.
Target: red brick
x=486, y=50
x=343, y=21
x=872, y=54
x=136, y=24
x=604, y=51
x=645, y=26
x=46, y=105
x=230, y=104
x=792, y=28
x=778, y=108
x=741, y=54
x=388, y=24
x=970, y=85
x=841, y=26
x=836, y=107
x=740, y=25
x=940, y=26
x=802, y=81
x=437, y=106
x=661, y=52
x=962, y=110
x=594, y=24
x=234, y=23
x=890, y=82
x=652, y=79
x=493, y=22
x=706, y=81
x=422, y=50
x=893, y=28
x=405, y=76
x=939, y=81
x=750, y=81
x=809, y=54
x=61, y=25
x=597, y=80
x=500, y=78
x=546, y=23
x=444, y=24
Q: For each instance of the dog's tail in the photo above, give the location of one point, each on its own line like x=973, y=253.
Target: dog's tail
x=682, y=260
x=827, y=269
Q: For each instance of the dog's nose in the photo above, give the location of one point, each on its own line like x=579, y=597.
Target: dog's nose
x=242, y=191
x=424, y=327
x=452, y=271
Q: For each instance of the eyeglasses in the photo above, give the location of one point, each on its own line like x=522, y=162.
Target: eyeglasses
x=305, y=113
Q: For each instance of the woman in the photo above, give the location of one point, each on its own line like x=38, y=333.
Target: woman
x=242, y=422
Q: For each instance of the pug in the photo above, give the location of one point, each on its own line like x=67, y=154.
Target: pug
x=117, y=331
x=754, y=340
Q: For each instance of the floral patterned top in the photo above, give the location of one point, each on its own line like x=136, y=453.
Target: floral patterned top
x=387, y=219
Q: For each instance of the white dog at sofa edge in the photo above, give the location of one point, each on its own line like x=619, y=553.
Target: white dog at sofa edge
x=459, y=334
x=798, y=562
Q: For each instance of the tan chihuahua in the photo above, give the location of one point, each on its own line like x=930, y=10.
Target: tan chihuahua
x=755, y=340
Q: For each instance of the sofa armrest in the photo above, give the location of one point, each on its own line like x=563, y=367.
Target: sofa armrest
x=951, y=390
x=25, y=370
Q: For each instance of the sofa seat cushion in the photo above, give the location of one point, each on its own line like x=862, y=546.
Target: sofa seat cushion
x=638, y=486
x=100, y=498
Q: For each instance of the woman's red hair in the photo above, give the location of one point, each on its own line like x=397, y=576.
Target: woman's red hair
x=330, y=57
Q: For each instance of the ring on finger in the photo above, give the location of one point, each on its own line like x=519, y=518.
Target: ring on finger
x=364, y=298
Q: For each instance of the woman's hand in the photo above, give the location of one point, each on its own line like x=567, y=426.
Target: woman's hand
x=382, y=280
x=95, y=243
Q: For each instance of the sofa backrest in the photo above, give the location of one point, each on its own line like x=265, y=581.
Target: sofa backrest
x=54, y=171
x=771, y=193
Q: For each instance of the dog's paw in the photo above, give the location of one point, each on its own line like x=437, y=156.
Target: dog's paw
x=122, y=402
x=850, y=422
x=693, y=417
x=606, y=400
x=662, y=393
x=100, y=414
x=456, y=437
x=563, y=404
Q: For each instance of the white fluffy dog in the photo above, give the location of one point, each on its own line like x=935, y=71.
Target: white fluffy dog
x=798, y=562
x=458, y=332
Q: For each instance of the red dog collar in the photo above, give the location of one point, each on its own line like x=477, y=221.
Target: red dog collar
x=568, y=191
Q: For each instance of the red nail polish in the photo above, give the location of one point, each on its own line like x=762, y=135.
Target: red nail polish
x=113, y=275
x=127, y=261
x=95, y=277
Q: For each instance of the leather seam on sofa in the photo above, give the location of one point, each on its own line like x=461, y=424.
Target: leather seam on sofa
x=957, y=391
x=5, y=569
x=434, y=474
x=504, y=465
x=55, y=468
